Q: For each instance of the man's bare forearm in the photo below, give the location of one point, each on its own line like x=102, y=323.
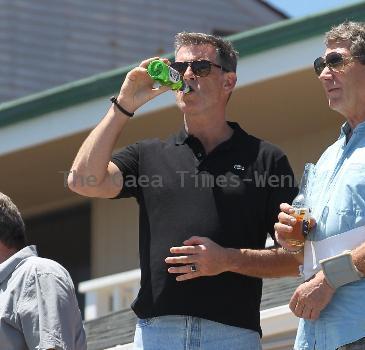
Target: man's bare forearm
x=94, y=155
x=266, y=263
x=358, y=257
x=211, y=259
x=92, y=164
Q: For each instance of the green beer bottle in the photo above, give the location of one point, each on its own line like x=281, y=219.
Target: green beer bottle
x=163, y=74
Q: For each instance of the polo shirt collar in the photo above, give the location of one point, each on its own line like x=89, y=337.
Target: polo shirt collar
x=182, y=136
x=237, y=137
x=345, y=130
x=9, y=265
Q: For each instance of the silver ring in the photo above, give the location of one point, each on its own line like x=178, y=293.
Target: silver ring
x=193, y=268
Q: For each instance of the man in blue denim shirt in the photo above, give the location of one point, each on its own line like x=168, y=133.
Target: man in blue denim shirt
x=330, y=301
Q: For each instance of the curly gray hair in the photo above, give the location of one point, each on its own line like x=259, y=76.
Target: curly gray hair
x=351, y=32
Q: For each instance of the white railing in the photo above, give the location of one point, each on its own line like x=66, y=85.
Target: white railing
x=110, y=293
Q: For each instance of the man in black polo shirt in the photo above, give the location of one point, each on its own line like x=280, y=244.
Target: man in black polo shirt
x=211, y=180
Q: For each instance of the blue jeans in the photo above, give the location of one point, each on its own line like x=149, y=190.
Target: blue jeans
x=192, y=333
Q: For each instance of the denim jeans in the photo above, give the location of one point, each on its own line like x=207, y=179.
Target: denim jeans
x=192, y=333
x=357, y=345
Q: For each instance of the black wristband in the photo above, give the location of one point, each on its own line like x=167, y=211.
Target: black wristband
x=114, y=100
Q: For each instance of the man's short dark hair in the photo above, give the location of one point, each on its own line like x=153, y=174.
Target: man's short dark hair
x=226, y=54
x=349, y=32
x=12, y=228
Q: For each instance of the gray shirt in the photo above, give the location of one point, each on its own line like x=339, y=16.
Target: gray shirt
x=38, y=306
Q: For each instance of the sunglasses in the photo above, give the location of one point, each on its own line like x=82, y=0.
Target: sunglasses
x=334, y=61
x=200, y=68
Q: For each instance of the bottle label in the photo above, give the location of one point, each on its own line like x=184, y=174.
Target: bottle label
x=303, y=215
x=305, y=228
x=174, y=75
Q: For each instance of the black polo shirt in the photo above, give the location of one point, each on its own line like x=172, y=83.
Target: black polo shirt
x=231, y=195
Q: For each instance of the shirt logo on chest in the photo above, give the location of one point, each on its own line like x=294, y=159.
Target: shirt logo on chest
x=238, y=167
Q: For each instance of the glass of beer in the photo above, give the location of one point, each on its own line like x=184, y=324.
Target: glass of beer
x=302, y=208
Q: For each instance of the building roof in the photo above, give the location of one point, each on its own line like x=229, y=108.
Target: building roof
x=247, y=43
x=274, y=9
x=45, y=46
x=113, y=329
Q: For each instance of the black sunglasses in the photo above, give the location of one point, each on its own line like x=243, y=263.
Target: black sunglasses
x=334, y=61
x=200, y=68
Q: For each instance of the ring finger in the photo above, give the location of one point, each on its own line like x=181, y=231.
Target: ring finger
x=182, y=269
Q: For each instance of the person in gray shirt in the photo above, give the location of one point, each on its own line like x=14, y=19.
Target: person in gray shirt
x=38, y=305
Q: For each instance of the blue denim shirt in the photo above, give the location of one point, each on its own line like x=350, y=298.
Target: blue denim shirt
x=338, y=198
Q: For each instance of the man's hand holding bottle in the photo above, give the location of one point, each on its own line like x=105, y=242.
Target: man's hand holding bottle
x=295, y=220
x=289, y=229
x=138, y=87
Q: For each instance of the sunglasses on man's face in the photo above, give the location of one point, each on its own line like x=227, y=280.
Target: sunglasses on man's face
x=200, y=68
x=334, y=61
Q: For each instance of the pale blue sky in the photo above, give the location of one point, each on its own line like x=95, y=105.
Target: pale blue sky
x=298, y=8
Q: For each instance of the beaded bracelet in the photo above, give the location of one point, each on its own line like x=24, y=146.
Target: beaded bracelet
x=124, y=111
